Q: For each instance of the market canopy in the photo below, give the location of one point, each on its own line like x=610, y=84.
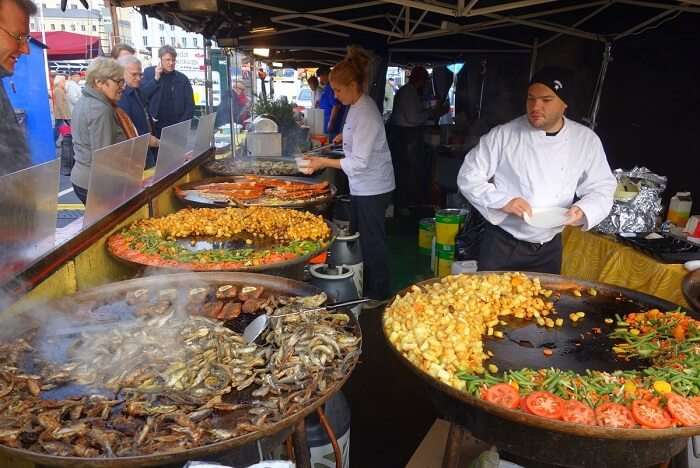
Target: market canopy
x=64, y=45
x=410, y=29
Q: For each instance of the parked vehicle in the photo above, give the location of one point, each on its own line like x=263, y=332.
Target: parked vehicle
x=304, y=99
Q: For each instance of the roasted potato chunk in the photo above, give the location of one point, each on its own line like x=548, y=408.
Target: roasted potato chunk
x=439, y=327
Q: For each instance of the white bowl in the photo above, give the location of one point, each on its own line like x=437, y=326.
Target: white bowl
x=303, y=165
x=547, y=218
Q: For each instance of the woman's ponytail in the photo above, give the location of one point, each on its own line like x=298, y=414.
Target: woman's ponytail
x=352, y=69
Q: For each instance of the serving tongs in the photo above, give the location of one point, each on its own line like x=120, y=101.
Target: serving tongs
x=255, y=328
x=320, y=149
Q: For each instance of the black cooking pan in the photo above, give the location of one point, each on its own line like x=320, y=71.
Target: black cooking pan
x=558, y=442
x=107, y=305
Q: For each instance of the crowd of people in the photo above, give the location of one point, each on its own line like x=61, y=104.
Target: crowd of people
x=117, y=101
x=121, y=100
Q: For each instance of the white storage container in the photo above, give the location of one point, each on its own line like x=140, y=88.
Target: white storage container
x=264, y=144
x=314, y=119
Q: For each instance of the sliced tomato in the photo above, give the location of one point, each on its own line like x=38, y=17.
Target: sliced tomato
x=683, y=410
x=504, y=395
x=614, y=415
x=650, y=415
x=139, y=257
x=544, y=404
x=696, y=401
x=576, y=412
x=523, y=406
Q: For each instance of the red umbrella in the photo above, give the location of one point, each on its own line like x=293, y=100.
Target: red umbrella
x=64, y=45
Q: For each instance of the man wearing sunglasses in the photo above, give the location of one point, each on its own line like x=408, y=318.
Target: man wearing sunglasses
x=14, y=42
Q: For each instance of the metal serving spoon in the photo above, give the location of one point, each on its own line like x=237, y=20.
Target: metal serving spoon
x=255, y=328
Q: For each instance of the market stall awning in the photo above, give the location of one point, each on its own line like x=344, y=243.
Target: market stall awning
x=64, y=45
x=411, y=30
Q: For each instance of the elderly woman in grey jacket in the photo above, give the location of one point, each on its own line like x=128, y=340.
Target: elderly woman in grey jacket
x=97, y=121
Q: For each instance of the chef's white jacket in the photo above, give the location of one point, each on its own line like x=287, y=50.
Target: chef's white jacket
x=367, y=161
x=518, y=160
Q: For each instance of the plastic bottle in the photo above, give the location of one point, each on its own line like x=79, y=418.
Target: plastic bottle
x=679, y=208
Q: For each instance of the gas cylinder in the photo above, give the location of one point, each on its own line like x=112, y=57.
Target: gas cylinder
x=337, y=411
x=341, y=212
x=346, y=251
x=337, y=282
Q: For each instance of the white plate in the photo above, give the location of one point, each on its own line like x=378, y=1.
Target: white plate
x=547, y=218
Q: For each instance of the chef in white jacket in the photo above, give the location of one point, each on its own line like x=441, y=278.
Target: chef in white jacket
x=367, y=163
x=539, y=160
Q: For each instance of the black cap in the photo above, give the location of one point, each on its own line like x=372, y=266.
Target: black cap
x=560, y=80
x=323, y=70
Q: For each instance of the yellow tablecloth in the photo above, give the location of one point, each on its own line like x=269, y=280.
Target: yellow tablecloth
x=597, y=257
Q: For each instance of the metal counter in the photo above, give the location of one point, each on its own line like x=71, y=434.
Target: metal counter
x=83, y=261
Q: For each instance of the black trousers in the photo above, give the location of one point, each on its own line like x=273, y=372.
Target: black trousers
x=80, y=192
x=412, y=166
x=367, y=218
x=151, y=157
x=498, y=250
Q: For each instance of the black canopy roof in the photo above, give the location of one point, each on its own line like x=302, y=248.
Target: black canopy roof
x=411, y=30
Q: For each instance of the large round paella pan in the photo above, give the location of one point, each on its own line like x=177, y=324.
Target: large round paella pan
x=257, y=239
x=565, y=383
x=281, y=192
x=153, y=370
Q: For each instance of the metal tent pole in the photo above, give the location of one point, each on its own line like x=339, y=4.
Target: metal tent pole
x=208, y=84
x=229, y=96
x=533, y=57
x=238, y=66
x=592, y=119
x=484, y=69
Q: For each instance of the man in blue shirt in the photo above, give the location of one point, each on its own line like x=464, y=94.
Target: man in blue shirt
x=133, y=103
x=333, y=109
